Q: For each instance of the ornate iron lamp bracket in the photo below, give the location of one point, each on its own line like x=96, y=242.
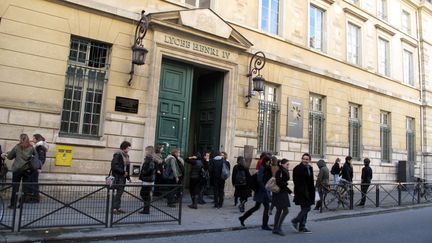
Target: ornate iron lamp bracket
x=257, y=62
x=138, y=51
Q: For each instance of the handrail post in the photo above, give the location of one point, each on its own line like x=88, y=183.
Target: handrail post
x=351, y=195
x=377, y=196
x=399, y=194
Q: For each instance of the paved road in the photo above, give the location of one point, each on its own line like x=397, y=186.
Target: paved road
x=413, y=226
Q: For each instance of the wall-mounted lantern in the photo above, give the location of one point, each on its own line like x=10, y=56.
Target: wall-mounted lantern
x=256, y=63
x=139, y=52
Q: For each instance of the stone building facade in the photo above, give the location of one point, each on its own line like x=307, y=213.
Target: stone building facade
x=343, y=77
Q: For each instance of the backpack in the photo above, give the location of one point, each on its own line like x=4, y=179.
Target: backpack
x=204, y=173
x=240, y=179
x=252, y=182
x=225, y=173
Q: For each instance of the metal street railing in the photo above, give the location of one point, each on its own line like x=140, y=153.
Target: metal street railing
x=66, y=205
x=381, y=195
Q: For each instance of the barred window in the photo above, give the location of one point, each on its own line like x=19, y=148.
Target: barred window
x=268, y=113
x=354, y=131
x=316, y=126
x=410, y=138
x=385, y=136
x=85, y=78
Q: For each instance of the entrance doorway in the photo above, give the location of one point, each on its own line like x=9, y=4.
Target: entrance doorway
x=189, y=108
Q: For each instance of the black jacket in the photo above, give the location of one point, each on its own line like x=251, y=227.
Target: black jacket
x=366, y=176
x=304, y=189
x=335, y=170
x=148, y=170
x=347, y=172
x=195, y=170
x=119, y=168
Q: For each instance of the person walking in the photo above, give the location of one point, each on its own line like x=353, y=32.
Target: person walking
x=261, y=196
x=366, y=178
x=239, y=180
x=280, y=199
x=120, y=165
x=335, y=171
x=172, y=174
x=147, y=176
x=21, y=171
x=216, y=169
x=322, y=182
x=194, y=178
x=304, y=192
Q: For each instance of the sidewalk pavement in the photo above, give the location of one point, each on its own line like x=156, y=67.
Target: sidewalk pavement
x=205, y=219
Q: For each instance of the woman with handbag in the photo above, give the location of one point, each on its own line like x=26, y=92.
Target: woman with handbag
x=280, y=199
x=22, y=153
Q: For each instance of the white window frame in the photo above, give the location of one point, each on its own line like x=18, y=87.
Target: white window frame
x=197, y=3
x=317, y=125
x=322, y=33
x=267, y=29
x=385, y=136
x=354, y=130
x=406, y=21
x=356, y=60
x=410, y=139
x=408, y=68
x=382, y=9
x=383, y=56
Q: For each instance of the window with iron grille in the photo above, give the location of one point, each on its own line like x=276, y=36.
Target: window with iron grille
x=354, y=131
x=385, y=136
x=85, y=79
x=410, y=138
x=316, y=126
x=268, y=113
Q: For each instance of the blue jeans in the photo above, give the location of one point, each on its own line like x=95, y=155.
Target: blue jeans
x=336, y=179
x=302, y=217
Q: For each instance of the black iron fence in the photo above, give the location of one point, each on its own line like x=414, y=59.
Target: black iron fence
x=66, y=205
x=379, y=195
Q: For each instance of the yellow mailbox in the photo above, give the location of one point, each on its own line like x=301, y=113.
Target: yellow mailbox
x=64, y=155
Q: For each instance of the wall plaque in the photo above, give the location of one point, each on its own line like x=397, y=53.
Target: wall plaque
x=126, y=105
x=295, y=117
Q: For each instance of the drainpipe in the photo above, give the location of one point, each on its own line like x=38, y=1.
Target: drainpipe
x=422, y=87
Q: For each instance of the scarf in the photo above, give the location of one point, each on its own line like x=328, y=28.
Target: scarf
x=125, y=157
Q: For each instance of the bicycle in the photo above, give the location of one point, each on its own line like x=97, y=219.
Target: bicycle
x=334, y=198
x=422, y=190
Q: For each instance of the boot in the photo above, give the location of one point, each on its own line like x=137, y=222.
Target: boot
x=265, y=220
x=276, y=223
x=242, y=207
x=194, y=204
x=318, y=205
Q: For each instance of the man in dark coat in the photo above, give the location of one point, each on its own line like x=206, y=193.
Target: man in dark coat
x=304, y=192
x=120, y=170
x=366, y=178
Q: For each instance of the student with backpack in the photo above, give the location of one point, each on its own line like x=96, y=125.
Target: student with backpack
x=219, y=172
x=239, y=180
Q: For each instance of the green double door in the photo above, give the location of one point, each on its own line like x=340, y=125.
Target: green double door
x=188, y=116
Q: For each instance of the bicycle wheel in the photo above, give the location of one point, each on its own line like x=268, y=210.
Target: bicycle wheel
x=331, y=201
